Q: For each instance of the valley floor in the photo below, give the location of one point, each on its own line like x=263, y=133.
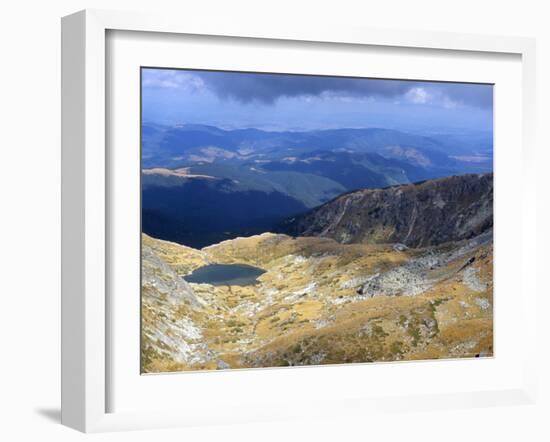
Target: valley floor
x=319, y=302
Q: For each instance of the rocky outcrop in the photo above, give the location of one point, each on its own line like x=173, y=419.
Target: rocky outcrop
x=418, y=215
x=160, y=282
x=171, y=316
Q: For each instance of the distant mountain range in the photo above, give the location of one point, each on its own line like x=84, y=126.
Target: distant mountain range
x=202, y=184
x=173, y=146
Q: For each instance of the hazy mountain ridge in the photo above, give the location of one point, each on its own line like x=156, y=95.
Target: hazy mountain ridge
x=164, y=146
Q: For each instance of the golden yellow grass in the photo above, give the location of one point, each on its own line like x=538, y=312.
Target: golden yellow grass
x=446, y=321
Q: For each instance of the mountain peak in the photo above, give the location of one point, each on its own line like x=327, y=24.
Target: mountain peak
x=421, y=214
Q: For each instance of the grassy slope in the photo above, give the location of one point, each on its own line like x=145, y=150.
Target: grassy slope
x=285, y=320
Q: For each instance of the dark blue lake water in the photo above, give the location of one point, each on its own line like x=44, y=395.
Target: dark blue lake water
x=225, y=274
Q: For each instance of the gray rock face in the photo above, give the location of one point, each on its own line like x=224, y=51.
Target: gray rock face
x=165, y=332
x=163, y=282
x=395, y=282
x=222, y=365
x=420, y=273
x=417, y=215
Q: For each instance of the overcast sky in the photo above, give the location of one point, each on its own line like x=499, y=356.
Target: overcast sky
x=303, y=102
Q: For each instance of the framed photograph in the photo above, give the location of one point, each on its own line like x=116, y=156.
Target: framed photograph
x=274, y=222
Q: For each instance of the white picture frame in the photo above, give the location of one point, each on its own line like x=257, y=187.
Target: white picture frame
x=86, y=203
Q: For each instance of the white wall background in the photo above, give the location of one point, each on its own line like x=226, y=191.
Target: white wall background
x=30, y=219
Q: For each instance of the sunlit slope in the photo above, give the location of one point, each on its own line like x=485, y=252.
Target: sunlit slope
x=319, y=302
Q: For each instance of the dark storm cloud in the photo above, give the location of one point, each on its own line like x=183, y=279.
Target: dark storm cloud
x=267, y=88
x=270, y=87
x=479, y=95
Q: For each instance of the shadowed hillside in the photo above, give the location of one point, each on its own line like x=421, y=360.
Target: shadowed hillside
x=422, y=214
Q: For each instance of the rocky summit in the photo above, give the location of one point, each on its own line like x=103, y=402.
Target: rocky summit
x=423, y=214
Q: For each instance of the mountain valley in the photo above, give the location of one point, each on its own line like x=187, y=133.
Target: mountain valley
x=259, y=179
x=355, y=287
